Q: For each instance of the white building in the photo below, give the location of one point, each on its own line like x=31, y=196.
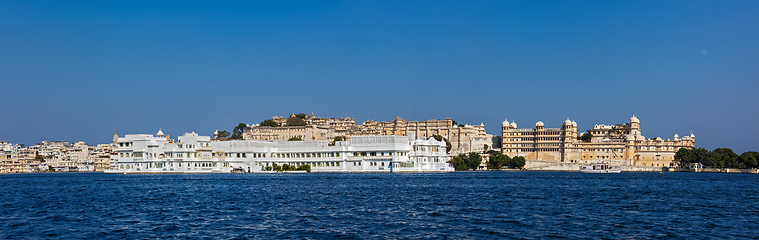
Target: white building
x=191, y=153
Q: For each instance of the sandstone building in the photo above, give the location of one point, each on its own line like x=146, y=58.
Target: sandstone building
x=620, y=144
x=464, y=138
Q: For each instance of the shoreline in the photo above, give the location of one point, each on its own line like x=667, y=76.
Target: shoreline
x=663, y=169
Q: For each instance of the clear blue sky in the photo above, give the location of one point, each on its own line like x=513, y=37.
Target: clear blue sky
x=75, y=70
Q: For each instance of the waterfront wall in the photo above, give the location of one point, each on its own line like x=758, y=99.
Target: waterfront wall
x=642, y=169
x=535, y=165
x=729, y=170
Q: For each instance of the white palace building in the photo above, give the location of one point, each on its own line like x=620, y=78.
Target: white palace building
x=191, y=153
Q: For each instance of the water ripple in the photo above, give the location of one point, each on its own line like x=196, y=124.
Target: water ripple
x=531, y=205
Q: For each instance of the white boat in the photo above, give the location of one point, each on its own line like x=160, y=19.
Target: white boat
x=600, y=168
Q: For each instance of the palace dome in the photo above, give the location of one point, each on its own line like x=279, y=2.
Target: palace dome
x=634, y=119
x=513, y=125
x=567, y=122
x=160, y=133
x=539, y=124
x=505, y=122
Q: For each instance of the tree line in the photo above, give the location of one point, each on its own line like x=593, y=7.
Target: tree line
x=298, y=120
x=718, y=158
x=236, y=132
x=472, y=160
x=287, y=167
x=498, y=160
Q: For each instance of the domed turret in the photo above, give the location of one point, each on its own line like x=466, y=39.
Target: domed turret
x=567, y=122
x=160, y=133
x=634, y=119
x=513, y=125
x=505, y=122
x=574, y=124
x=539, y=124
x=676, y=136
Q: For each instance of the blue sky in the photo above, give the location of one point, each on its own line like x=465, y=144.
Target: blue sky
x=76, y=70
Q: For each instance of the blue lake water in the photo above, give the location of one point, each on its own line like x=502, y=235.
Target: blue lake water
x=461, y=205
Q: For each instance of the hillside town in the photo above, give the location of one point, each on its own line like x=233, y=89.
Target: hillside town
x=55, y=157
x=617, y=144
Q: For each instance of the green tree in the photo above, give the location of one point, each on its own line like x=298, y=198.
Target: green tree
x=722, y=158
x=294, y=139
x=473, y=160
x=305, y=167
x=276, y=167
x=237, y=132
x=447, y=143
x=288, y=167
x=749, y=159
x=497, y=160
x=269, y=123
x=458, y=162
x=684, y=157
x=223, y=134
x=301, y=115
x=517, y=162
x=726, y=158
x=586, y=137
x=295, y=121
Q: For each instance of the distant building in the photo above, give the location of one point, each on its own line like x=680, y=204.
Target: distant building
x=464, y=138
x=10, y=163
x=78, y=157
x=101, y=157
x=193, y=153
x=620, y=144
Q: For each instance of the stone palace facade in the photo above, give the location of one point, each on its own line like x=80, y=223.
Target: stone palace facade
x=620, y=144
x=465, y=138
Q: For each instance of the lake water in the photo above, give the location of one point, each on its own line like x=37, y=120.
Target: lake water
x=460, y=205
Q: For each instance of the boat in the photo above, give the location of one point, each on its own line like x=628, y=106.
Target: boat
x=600, y=168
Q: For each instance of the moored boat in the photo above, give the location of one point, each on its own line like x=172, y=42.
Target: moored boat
x=600, y=168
